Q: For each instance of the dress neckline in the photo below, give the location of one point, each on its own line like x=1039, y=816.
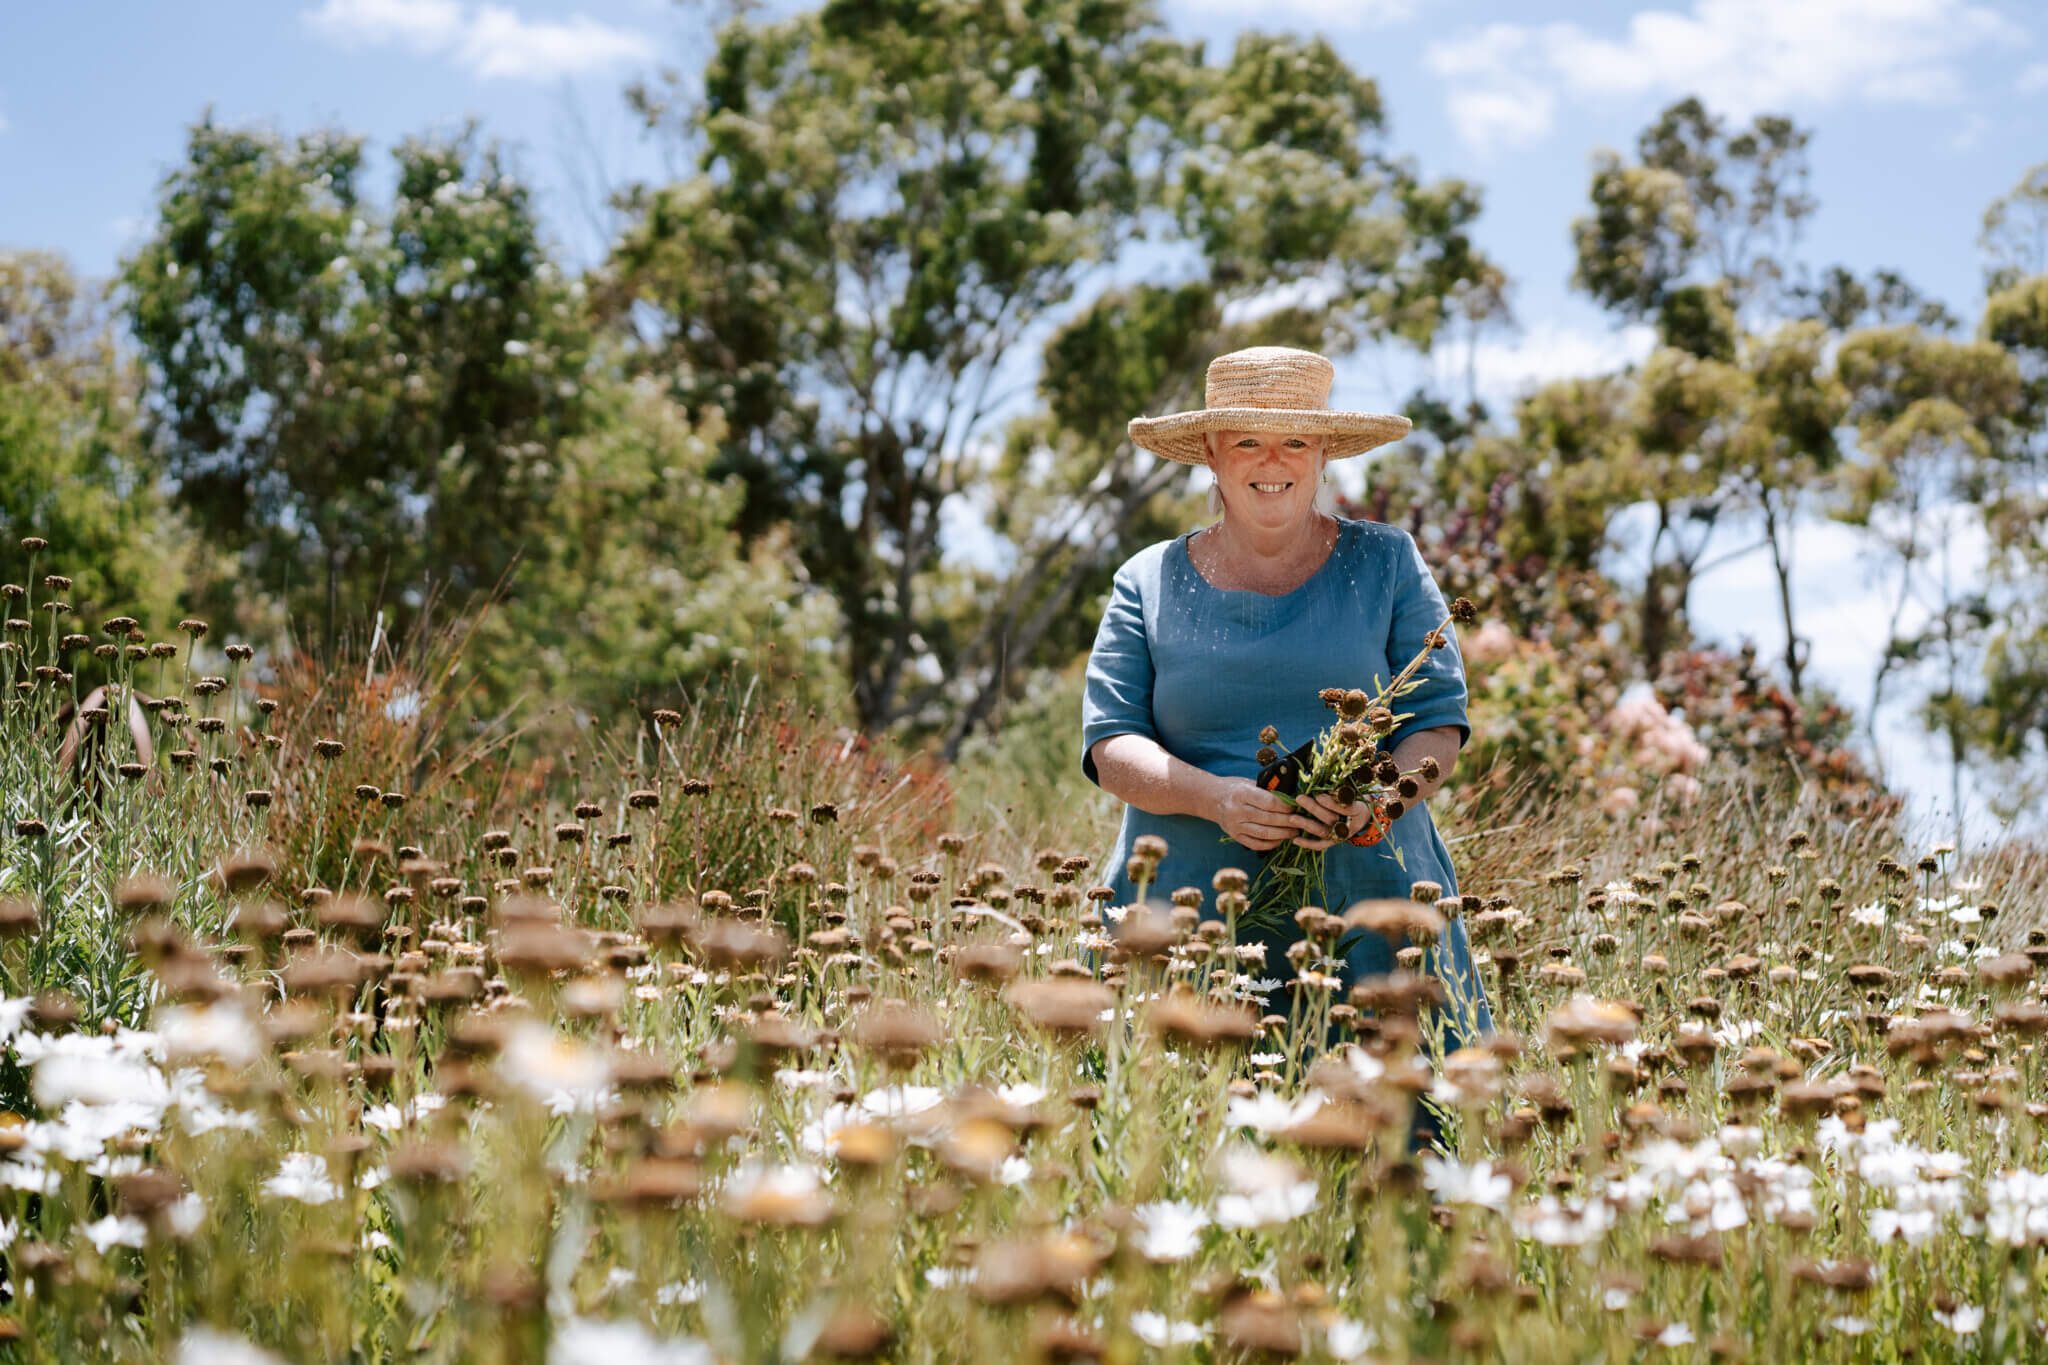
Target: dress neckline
x=1188, y=559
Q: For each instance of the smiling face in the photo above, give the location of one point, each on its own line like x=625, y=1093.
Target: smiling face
x=1267, y=478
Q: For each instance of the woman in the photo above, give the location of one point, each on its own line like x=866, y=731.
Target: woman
x=1211, y=636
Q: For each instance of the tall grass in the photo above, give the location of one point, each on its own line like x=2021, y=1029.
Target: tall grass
x=726, y=1034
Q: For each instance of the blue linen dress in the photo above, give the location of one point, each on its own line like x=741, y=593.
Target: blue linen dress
x=1200, y=669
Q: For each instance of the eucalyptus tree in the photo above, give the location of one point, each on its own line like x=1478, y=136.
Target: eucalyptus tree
x=354, y=398
x=72, y=469
x=2006, y=725
x=927, y=249
x=1698, y=235
x=1936, y=422
x=1786, y=449
x=1704, y=211
x=2014, y=237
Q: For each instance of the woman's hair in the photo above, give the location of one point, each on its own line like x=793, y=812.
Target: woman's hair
x=1326, y=492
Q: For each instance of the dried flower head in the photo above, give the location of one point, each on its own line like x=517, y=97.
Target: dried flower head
x=785, y=1196
x=897, y=1032
x=1062, y=1006
x=1583, y=1019
x=1190, y=1021
x=1397, y=921
x=1028, y=1269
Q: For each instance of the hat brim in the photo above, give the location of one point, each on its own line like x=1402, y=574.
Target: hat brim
x=1179, y=436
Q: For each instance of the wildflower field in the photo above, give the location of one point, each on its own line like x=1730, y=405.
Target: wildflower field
x=332, y=1033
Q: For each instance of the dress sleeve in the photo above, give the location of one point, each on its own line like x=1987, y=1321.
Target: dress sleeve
x=1117, y=699
x=1418, y=607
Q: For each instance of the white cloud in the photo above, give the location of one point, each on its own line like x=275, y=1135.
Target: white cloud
x=1504, y=369
x=500, y=43
x=488, y=41
x=1321, y=14
x=1741, y=56
x=1510, y=118
x=1307, y=292
x=2033, y=77
x=1498, y=97
x=423, y=25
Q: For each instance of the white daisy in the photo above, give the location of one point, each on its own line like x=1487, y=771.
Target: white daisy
x=302, y=1176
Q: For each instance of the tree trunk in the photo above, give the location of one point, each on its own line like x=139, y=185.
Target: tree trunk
x=1907, y=555
x=1019, y=646
x=1781, y=564
x=1656, y=620
x=333, y=599
x=1952, y=712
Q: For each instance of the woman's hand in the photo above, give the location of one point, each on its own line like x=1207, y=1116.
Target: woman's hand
x=1260, y=819
x=1327, y=810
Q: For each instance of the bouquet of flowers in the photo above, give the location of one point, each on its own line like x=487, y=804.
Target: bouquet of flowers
x=1344, y=762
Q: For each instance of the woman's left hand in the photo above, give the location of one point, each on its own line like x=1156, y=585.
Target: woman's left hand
x=1327, y=809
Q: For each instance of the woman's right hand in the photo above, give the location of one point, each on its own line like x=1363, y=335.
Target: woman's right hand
x=1260, y=819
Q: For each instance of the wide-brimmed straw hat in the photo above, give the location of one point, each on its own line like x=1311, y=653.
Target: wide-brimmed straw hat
x=1267, y=388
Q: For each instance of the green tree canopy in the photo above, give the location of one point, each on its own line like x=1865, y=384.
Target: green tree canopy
x=355, y=400
x=71, y=469
x=900, y=215
x=1701, y=205
x=640, y=592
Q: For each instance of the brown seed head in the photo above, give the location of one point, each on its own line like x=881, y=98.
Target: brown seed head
x=736, y=944
x=1190, y=1021
x=854, y=1332
x=1028, y=1269
x=18, y=917
x=1397, y=921
x=896, y=1031
x=539, y=949
x=1065, y=1007
x=1583, y=1019
x=1261, y=1323
x=989, y=964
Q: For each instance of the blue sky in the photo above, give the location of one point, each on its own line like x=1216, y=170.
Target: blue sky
x=1922, y=112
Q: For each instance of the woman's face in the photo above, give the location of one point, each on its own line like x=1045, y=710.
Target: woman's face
x=1267, y=478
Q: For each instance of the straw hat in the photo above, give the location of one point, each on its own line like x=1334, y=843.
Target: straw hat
x=1267, y=388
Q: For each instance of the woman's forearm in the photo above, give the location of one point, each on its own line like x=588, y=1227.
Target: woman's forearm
x=1439, y=742
x=1140, y=772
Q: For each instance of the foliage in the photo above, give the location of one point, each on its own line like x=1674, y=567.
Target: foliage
x=1699, y=198
x=639, y=592
x=1787, y=450
x=885, y=199
x=2000, y=719
x=358, y=403
x=1557, y=708
x=890, y=203
x=71, y=470
x=2012, y=239
x=1934, y=420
